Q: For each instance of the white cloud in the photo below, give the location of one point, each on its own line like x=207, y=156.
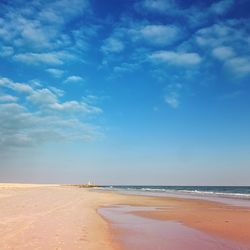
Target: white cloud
x=194, y=15
x=112, y=45
x=19, y=87
x=172, y=96
x=215, y=35
x=227, y=41
x=239, y=65
x=92, y=99
x=35, y=83
x=52, y=58
x=49, y=100
x=172, y=100
x=72, y=79
x=20, y=127
x=61, y=11
x=23, y=31
x=39, y=25
x=6, y=51
x=13, y=116
x=55, y=72
x=5, y=82
x=223, y=53
x=232, y=33
x=82, y=37
x=158, y=34
x=125, y=68
x=221, y=7
x=33, y=33
x=8, y=98
x=175, y=58
x=58, y=92
x=74, y=106
x=43, y=97
x=43, y=117
x=159, y=6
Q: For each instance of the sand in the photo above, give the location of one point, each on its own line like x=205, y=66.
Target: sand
x=52, y=217
x=218, y=219
x=64, y=217
x=142, y=233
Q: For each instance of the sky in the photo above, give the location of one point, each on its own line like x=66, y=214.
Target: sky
x=125, y=92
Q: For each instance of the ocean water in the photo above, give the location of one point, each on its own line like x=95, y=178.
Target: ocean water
x=237, y=195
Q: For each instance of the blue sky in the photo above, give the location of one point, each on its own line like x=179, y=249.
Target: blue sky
x=125, y=92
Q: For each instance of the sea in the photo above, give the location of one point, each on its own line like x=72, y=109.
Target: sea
x=234, y=195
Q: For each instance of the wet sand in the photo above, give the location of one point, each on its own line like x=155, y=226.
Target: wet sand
x=218, y=219
x=216, y=225
x=62, y=217
x=142, y=233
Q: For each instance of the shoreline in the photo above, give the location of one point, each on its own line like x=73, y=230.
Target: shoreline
x=66, y=217
x=235, y=199
x=142, y=233
x=225, y=221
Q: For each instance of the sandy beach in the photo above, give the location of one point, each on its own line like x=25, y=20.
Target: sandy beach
x=52, y=217
x=135, y=116
x=64, y=217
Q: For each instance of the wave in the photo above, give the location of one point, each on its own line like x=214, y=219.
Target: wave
x=230, y=192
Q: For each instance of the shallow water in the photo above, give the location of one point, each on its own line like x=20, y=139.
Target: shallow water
x=139, y=233
x=231, y=195
x=234, y=201
x=225, y=200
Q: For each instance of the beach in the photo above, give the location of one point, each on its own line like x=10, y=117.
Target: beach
x=68, y=217
x=52, y=217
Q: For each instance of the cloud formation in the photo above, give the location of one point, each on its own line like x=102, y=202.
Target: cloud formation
x=156, y=34
x=52, y=58
x=57, y=73
x=8, y=98
x=221, y=7
x=176, y=58
x=227, y=42
x=73, y=79
x=162, y=36
x=223, y=52
x=239, y=65
x=43, y=117
x=37, y=24
x=112, y=45
x=172, y=96
x=157, y=6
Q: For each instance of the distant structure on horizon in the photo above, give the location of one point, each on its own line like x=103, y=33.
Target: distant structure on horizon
x=89, y=184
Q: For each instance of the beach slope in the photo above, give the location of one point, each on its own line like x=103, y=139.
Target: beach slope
x=51, y=217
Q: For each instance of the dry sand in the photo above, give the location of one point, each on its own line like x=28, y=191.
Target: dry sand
x=52, y=217
x=61, y=217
